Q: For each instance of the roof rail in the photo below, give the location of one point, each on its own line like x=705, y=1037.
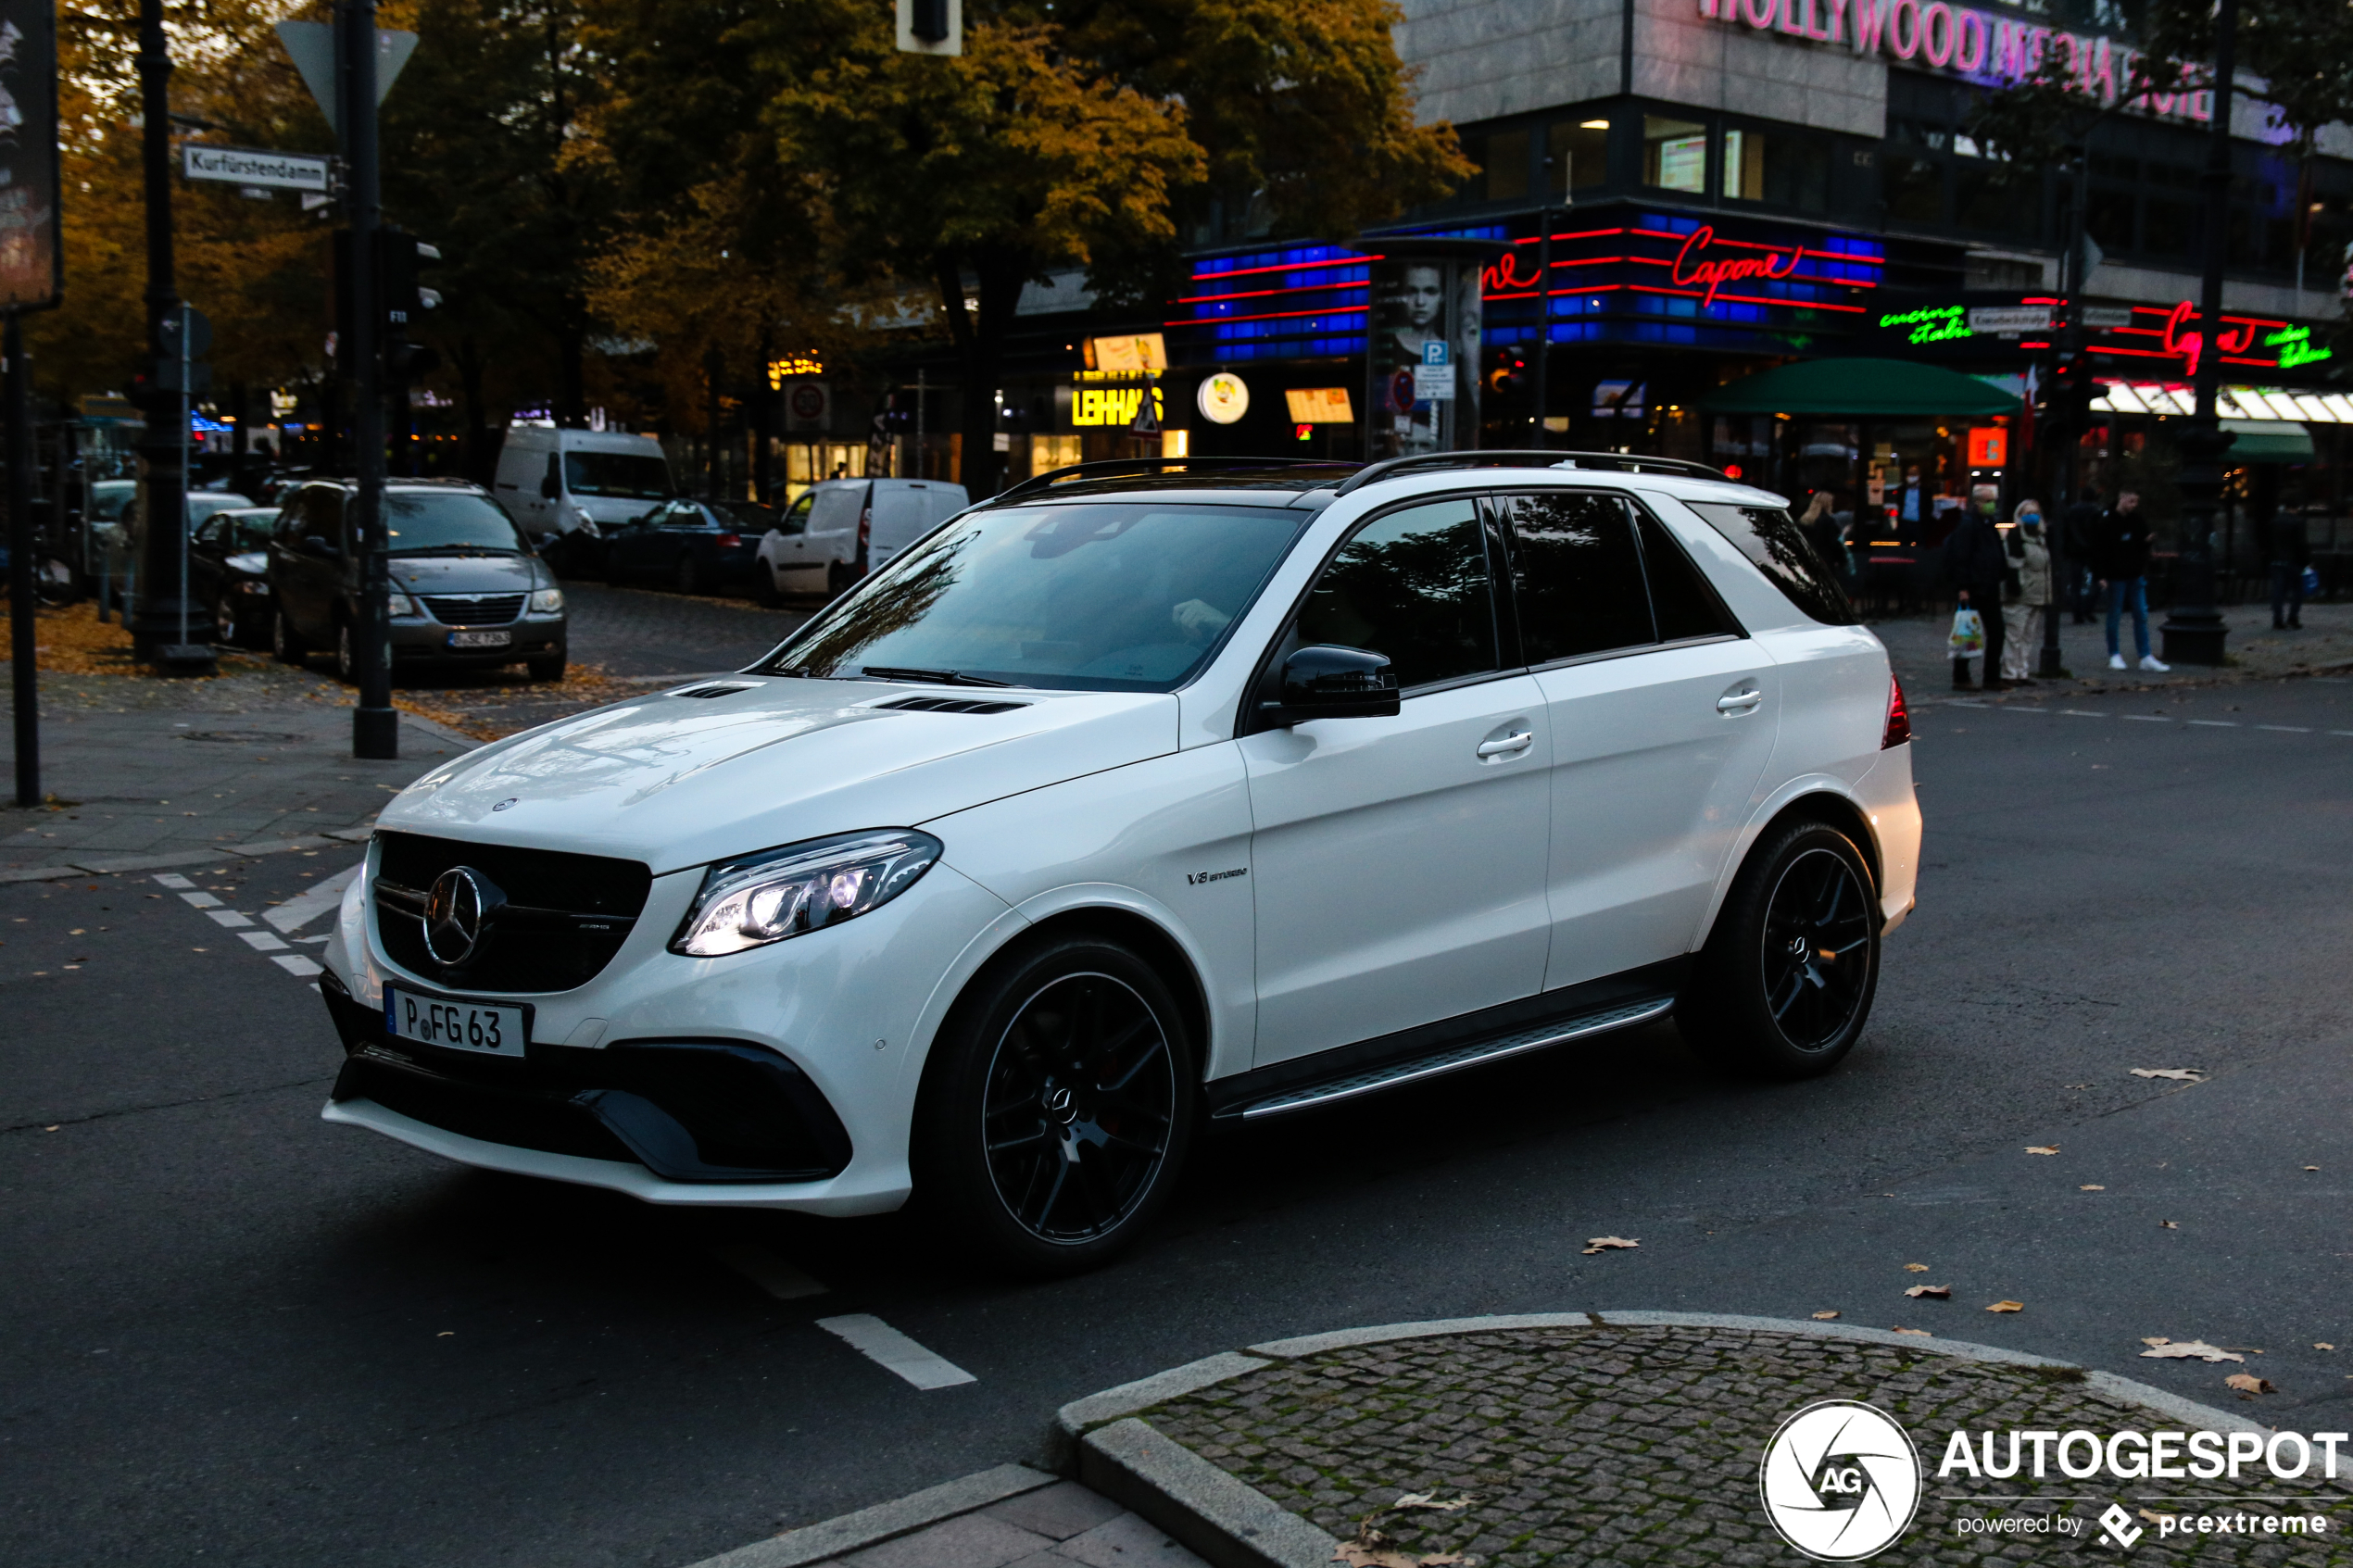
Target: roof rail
x=1623, y=462
x=1112, y=468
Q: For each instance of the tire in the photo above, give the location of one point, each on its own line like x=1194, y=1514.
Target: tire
x=687, y=576
x=1057, y=1107
x=346, y=657
x=1784, y=985
x=285, y=644
x=549, y=668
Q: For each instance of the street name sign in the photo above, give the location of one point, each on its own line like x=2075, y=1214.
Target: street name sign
x=256, y=165
x=1998, y=319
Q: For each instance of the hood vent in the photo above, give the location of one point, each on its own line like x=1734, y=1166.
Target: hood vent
x=952, y=705
x=719, y=688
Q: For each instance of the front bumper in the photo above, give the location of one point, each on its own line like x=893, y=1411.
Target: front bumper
x=689, y=1081
x=427, y=642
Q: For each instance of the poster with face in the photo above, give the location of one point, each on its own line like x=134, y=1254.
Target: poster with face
x=1411, y=299
x=30, y=265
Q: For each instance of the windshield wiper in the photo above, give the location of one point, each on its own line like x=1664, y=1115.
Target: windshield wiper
x=933, y=677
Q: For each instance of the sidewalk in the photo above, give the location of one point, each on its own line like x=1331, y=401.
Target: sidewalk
x=1915, y=645
x=1599, y=1438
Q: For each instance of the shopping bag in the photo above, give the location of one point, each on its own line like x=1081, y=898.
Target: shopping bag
x=2312, y=582
x=1968, y=633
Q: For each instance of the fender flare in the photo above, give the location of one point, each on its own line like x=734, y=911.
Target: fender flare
x=1771, y=809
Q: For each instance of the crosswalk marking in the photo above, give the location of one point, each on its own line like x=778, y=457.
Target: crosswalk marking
x=879, y=1342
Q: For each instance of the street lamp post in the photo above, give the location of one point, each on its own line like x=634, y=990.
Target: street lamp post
x=2194, y=631
x=2064, y=448
x=375, y=726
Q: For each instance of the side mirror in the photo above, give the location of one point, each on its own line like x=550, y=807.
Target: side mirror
x=1325, y=682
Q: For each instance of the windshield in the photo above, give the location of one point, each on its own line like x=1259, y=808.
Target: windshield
x=1126, y=596
x=202, y=503
x=419, y=520
x=239, y=532
x=634, y=475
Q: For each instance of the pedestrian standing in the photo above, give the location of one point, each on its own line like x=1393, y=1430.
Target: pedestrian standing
x=2077, y=528
x=1974, y=566
x=2291, y=552
x=2026, y=591
x=2120, y=563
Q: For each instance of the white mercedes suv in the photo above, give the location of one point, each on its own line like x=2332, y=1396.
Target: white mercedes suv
x=1142, y=794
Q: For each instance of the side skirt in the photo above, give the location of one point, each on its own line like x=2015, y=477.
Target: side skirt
x=1410, y=1056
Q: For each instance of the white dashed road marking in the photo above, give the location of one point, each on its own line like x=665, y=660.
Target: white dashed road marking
x=305, y=907
x=882, y=1342
x=2214, y=723
x=229, y=918
x=174, y=880
x=294, y=913
x=2145, y=719
x=2082, y=714
x=296, y=965
x=2287, y=729
x=262, y=942
x=201, y=900
x=769, y=1271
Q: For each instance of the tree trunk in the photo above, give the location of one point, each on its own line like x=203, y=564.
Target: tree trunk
x=979, y=337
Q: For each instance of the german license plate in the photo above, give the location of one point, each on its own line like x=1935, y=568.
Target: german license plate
x=456, y=1026
x=479, y=639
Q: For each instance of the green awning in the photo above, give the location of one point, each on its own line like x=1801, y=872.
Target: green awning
x=1862, y=389
x=2267, y=441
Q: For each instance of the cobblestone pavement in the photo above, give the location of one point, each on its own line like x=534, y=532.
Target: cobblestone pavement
x=1641, y=1445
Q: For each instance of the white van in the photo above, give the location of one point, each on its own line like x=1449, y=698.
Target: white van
x=840, y=530
x=553, y=480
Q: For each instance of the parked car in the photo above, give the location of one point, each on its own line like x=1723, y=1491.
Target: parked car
x=1131, y=801
x=120, y=536
x=695, y=547
x=229, y=569
x=467, y=587
x=836, y=532
x=567, y=486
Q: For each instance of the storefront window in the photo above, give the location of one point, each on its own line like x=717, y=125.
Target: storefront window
x=1507, y=162
x=1579, y=154
x=1915, y=188
x=1674, y=154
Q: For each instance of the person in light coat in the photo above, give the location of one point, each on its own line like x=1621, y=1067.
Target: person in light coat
x=2026, y=589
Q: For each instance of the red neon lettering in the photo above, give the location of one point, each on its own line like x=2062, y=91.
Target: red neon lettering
x=1713, y=275
x=1505, y=275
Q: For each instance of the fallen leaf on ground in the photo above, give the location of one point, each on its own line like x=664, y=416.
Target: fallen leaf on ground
x=1918, y=1332
x=2188, y=1349
x=1608, y=1244
x=2042, y=1148
x=2323, y=1345
x=2006, y=1307
x=1916, y=1267
x=2311, y=1167
x=2091, y=1187
x=1824, y=1317
x=1377, y=1557
x=2169, y=1224
x=1942, y=1292
x=2247, y=1383
x=2153, y=1518
x=2075, y=1086
x=2181, y=1074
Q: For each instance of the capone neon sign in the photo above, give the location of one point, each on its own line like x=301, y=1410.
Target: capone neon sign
x=1961, y=39
x=1692, y=269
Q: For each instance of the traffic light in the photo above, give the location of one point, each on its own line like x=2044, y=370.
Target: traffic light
x=400, y=298
x=1508, y=371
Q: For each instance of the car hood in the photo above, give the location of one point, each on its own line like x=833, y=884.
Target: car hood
x=678, y=780
x=465, y=574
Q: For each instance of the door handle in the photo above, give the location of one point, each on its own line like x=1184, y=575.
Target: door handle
x=1519, y=740
x=1737, y=702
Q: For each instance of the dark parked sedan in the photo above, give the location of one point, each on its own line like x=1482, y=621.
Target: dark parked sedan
x=695, y=547
x=229, y=571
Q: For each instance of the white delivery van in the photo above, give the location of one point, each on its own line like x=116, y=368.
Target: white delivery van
x=840, y=530
x=554, y=480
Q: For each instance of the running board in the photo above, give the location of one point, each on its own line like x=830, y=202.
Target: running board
x=1415, y=1068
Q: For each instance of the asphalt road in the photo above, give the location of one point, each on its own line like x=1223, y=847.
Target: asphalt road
x=235, y=1333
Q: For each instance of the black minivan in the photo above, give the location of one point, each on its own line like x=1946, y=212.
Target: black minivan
x=467, y=588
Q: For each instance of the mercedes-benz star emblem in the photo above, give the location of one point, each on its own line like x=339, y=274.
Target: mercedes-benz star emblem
x=458, y=911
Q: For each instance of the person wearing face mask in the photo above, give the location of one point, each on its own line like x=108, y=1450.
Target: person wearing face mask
x=2026, y=590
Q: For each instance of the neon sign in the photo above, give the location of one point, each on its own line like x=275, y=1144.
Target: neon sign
x=2190, y=343
x=1960, y=39
x=1689, y=272
x=1504, y=276
x=2297, y=347
x=1932, y=323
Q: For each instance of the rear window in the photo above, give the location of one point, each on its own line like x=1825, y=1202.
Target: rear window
x=1769, y=537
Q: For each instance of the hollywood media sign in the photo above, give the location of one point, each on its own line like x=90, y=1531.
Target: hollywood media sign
x=1960, y=39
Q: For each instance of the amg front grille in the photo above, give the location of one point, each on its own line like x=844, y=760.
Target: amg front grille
x=562, y=918
x=473, y=609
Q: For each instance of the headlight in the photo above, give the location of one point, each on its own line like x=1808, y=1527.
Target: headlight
x=801, y=887
x=546, y=601
x=404, y=608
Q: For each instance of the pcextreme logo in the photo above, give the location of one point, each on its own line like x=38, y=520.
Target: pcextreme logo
x=1840, y=1481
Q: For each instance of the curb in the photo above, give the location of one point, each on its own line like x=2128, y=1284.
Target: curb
x=111, y=865
x=888, y=1520
x=1231, y=1524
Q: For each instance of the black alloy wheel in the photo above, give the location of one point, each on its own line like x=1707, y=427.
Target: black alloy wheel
x=1784, y=985
x=1058, y=1108
x=764, y=592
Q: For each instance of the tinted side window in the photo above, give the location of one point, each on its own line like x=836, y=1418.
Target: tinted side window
x=1680, y=598
x=1413, y=585
x=1576, y=575
x=1768, y=537
x=796, y=518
